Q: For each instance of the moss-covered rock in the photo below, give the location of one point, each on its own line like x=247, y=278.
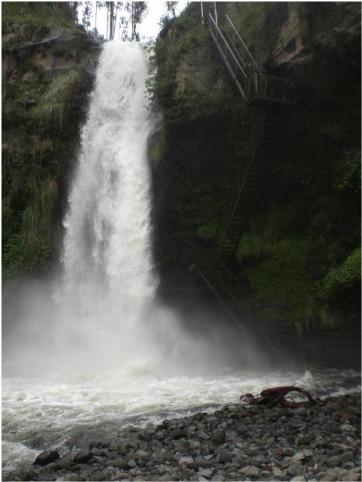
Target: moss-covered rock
x=304, y=221
x=46, y=79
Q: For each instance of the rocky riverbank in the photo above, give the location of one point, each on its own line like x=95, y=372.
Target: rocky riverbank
x=320, y=442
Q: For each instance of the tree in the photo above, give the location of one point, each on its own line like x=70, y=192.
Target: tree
x=127, y=14
x=171, y=8
x=136, y=11
x=87, y=12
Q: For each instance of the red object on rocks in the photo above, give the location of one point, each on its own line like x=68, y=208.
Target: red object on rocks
x=276, y=396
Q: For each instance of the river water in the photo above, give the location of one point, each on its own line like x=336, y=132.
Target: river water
x=94, y=351
x=53, y=412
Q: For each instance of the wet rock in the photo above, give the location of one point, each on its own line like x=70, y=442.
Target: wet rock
x=207, y=473
x=178, y=434
x=333, y=461
x=346, y=456
x=347, y=428
x=194, y=444
x=98, y=452
x=295, y=469
x=351, y=476
x=305, y=439
x=118, y=463
x=224, y=457
x=82, y=458
x=185, y=460
x=131, y=463
x=331, y=474
x=219, y=437
x=46, y=458
x=277, y=472
x=31, y=474
x=250, y=471
x=141, y=456
x=217, y=478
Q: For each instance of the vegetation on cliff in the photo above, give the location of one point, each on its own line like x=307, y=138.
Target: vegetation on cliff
x=299, y=249
x=47, y=61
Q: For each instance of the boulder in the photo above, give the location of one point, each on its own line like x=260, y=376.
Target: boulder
x=82, y=458
x=46, y=458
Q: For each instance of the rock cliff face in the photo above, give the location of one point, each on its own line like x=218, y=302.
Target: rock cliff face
x=48, y=67
x=298, y=256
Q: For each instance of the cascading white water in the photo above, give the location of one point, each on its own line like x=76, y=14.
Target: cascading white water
x=107, y=241
x=108, y=286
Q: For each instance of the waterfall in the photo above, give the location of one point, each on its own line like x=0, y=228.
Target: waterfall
x=106, y=256
x=100, y=315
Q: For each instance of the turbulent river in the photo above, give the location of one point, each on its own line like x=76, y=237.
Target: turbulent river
x=93, y=351
x=51, y=412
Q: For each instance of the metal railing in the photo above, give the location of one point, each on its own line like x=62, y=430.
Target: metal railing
x=249, y=78
x=230, y=59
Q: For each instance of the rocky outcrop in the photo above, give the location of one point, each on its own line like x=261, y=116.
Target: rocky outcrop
x=302, y=229
x=48, y=69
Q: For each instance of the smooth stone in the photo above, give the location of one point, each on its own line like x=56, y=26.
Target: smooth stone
x=224, y=457
x=131, y=463
x=185, y=460
x=82, y=458
x=332, y=474
x=346, y=427
x=46, y=458
x=219, y=437
x=250, y=471
x=352, y=476
x=141, y=455
x=346, y=456
x=295, y=469
x=333, y=461
x=97, y=460
x=205, y=473
x=217, y=478
x=118, y=463
x=194, y=444
x=178, y=434
x=277, y=472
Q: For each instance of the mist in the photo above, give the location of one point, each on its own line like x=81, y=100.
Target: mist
x=44, y=336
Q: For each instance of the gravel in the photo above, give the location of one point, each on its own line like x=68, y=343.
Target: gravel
x=320, y=442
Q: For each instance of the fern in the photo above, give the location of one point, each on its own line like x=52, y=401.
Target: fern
x=56, y=102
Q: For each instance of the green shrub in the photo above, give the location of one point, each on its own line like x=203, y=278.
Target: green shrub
x=48, y=14
x=208, y=230
x=13, y=256
x=281, y=277
x=344, y=280
x=56, y=102
x=250, y=246
x=348, y=173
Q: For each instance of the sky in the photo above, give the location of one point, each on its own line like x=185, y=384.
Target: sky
x=150, y=25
